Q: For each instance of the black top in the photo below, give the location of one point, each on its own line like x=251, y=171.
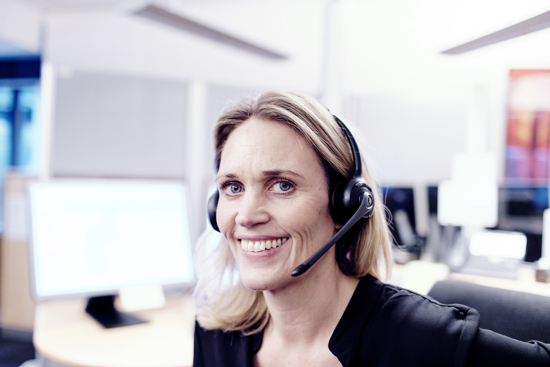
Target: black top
x=385, y=325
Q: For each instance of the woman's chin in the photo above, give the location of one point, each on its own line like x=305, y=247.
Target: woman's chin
x=261, y=282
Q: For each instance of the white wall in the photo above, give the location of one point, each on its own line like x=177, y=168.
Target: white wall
x=20, y=27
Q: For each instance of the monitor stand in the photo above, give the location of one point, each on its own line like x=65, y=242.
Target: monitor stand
x=103, y=310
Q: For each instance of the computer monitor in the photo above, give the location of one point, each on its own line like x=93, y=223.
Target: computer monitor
x=524, y=201
x=400, y=203
x=92, y=238
x=521, y=209
x=432, y=200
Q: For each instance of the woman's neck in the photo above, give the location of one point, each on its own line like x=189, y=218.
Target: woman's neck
x=309, y=310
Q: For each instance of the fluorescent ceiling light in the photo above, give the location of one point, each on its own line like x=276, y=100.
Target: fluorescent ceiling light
x=530, y=25
x=167, y=17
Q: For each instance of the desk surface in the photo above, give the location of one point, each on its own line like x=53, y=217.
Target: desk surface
x=65, y=334
x=420, y=276
x=524, y=283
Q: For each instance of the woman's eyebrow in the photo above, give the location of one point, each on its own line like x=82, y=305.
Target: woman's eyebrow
x=269, y=173
x=228, y=175
x=281, y=172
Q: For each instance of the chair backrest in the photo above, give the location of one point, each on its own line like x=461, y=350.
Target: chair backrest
x=518, y=315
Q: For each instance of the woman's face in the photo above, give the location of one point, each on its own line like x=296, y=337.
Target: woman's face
x=273, y=207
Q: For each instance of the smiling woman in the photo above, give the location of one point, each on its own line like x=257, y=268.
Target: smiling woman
x=281, y=160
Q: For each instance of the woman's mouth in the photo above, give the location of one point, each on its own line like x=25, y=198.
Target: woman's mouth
x=257, y=246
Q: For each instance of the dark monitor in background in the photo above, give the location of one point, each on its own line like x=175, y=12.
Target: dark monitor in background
x=89, y=239
x=524, y=201
x=437, y=241
x=521, y=209
x=400, y=203
x=432, y=200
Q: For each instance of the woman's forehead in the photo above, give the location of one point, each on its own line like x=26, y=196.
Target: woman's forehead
x=265, y=145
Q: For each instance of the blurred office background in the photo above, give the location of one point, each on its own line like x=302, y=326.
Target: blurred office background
x=104, y=89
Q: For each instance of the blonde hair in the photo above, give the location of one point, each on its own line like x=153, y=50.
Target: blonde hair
x=221, y=300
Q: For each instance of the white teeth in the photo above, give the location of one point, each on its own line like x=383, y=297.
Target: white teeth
x=257, y=246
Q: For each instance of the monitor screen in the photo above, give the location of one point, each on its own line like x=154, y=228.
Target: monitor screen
x=401, y=199
x=400, y=203
x=524, y=201
x=521, y=209
x=432, y=200
x=95, y=237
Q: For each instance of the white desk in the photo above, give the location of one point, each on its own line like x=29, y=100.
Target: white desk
x=420, y=276
x=64, y=333
x=524, y=283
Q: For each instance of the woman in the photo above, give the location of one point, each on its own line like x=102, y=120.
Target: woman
x=278, y=159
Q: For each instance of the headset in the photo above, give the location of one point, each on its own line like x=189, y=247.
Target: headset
x=351, y=201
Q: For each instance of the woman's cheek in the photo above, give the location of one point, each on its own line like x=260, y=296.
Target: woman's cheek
x=224, y=220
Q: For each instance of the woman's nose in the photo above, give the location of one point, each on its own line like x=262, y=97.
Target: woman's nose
x=251, y=210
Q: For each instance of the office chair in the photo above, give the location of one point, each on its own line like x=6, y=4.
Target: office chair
x=518, y=315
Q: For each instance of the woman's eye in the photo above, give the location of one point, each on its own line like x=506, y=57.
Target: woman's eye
x=283, y=186
x=233, y=189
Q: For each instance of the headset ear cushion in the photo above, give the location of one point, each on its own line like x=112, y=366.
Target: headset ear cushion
x=346, y=198
x=212, y=207
x=337, y=206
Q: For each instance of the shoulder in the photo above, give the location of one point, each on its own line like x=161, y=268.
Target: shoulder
x=220, y=348
x=425, y=329
x=406, y=307
x=392, y=326
x=402, y=307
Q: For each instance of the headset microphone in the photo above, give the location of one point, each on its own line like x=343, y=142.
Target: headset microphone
x=350, y=201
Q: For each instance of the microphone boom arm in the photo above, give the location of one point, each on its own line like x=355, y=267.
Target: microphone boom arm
x=361, y=211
